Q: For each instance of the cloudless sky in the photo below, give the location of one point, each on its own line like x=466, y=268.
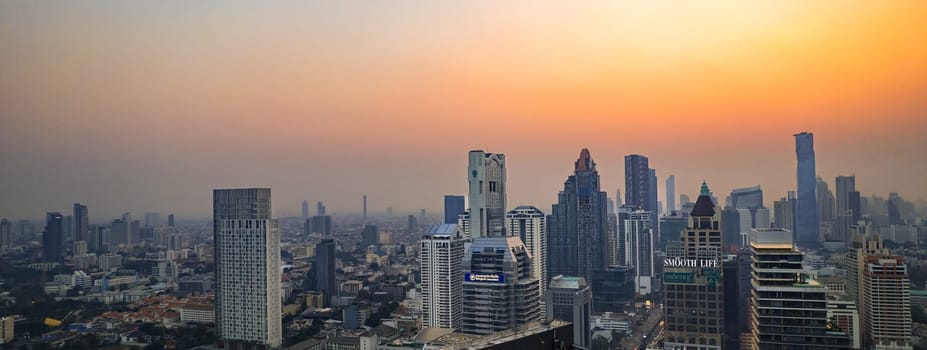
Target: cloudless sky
x=148, y=105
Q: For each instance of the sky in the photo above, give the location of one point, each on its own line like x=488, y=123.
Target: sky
x=149, y=105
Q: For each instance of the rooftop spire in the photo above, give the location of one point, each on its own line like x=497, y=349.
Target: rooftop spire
x=705, y=191
x=585, y=161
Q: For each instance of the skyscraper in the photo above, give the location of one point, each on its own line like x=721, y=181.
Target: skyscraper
x=638, y=238
x=670, y=194
x=6, y=234
x=320, y=209
x=806, y=210
x=247, y=254
x=486, y=178
x=654, y=203
x=637, y=182
x=788, y=309
x=53, y=238
x=305, y=209
x=365, y=206
x=81, y=222
x=152, y=219
x=530, y=225
x=441, y=257
x=886, y=312
x=453, y=207
x=578, y=223
x=845, y=185
x=782, y=211
x=570, y=299
x=413, y=223
x=170, y=220
x=370, y=235
x=499, y=292
x=825, y=199
x=693, y=281
x=324, y=269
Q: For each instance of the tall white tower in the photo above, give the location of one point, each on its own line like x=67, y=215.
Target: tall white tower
x=486, y=176
x=247, y=253
x=442, y=252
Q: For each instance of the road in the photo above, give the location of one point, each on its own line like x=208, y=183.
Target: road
x=648, y=328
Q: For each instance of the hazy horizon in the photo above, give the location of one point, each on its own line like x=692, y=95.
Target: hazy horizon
x=149, y=106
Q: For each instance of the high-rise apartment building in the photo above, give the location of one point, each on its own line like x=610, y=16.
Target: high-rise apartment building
x=441, y=257
x=782, y=214
x=247, y=255
x=413, y=224
x=886, y=302
x=693, y=281
x=486, y=178
x=670, y=194
x=81, y=222
x=845, y=185
x=570, y=299
x=499, y=291
x=53, y=238
x=845, y=316
x=454, y=207
x=825, y=199
x=788, y=309
x=530, y=225
x=170, y=220
x=578, y=223
x=807, y=221
x=637, y=182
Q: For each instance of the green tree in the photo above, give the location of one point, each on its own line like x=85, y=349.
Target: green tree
x=600, y=343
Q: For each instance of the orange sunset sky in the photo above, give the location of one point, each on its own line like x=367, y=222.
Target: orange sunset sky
x=147, y=106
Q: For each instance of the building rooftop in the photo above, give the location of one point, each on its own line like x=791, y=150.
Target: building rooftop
x=567, y=282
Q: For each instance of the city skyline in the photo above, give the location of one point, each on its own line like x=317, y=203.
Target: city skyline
x=131, y=124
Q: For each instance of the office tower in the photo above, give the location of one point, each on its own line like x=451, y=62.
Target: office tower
x=747, y=197
x=454, y=207
x=693, y=281
x=441, y=257
x=305, y=209
x=499, y=292
x=320, y=209
x=67, y=228
x=670, y=194
x=152, y=219
x=119, y=233
x=611, y=206
x=6, y=234
x=530, y=225
x=413, y=224
x=655, y=209
x=788, y=309
x=782, y=211
x=570, y=299
x=53, y=238
x=886, y=292
x=81, y=221
x=370, y=235
x=613, y=289
x=578, y=224
x=806, y=210
x=637, y=182
x=365, y=206
x=324, y=269
x=135, y=232
x=637, y=232
x=486, y=178
x=672, y=226
x=247, y=255
x=845, y=315
x=170, y=220
x=825, y=199
x=617, y=199
x=855, y=204
x=845, y=185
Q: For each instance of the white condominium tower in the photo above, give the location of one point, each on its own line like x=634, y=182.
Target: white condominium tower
x=530, y=224
x=247, y=254
x=442, y=252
